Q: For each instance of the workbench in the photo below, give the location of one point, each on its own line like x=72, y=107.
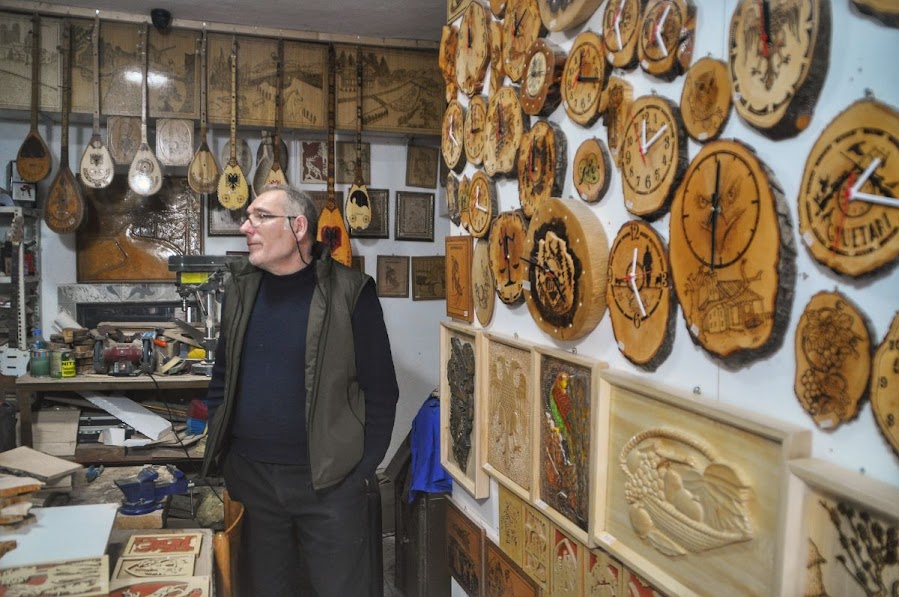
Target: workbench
x=31, y=390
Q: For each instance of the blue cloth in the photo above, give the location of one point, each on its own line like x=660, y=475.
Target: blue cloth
x=428, y=475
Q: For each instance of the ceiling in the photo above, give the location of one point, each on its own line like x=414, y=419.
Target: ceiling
x=405, y=19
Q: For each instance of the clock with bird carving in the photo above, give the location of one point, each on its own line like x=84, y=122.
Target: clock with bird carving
x=507, y=238
x=705, y=102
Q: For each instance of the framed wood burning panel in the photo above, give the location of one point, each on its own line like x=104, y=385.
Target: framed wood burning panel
x=358, y=263
x=504, y=578
x=314, y=161
x=509, y=395
x=538, y=546
x=602, y=575
x=568, y=556
x=459, y=295
x=414, y=216
x=393, y=276
x=421, y=166
x=345, y=166
x=379, y=226
x=221, y=221
x=847, y=544
x=428, y=278
x=465, y=550
x=461, y=417
x=696, y=492
x=511, y=524
x=15, y=76
x=565, y=414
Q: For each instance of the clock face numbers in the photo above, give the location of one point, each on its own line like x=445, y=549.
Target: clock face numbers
x=452, y=198
x=507, y=239
x=497, y=67
x=592, y=170
x=653, y=156
x=505, y=127
x=481, y=204
x=473, y=52
x=562, y=15
x=777, y=64
x=639, y=295
x=620, y=31
x=885, y=385
x=476, y=130
x=665, y=47
x=729, y=261
x=849, y=198
x=833, y=359
x=446, y=59
x=567, y=256
x=541, y=165
x=584, y=79
x=620, y=100
x=705, y=101
x=521, y=28
x=482, y=283
x=540, y=94
x=451, y=136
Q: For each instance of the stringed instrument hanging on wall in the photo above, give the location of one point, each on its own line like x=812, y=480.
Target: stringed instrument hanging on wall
x=276, y=173
x=33, y=160
x=232, y=188
x=97, y=165
x=145, y=173
x=358, y=203
x=203, y=172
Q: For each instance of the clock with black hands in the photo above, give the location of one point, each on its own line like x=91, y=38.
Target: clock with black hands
x=542, y=160
x=507, y=239
x=451, y=138
x=505, y=126
x=665, y=47
x=584, y=79
x=620, y=31
x=521, y=28
x=540, y=93
x=475, y=130
x=473, y=53
x=482, y=204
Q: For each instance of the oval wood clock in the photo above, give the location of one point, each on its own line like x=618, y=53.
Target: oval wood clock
x=653, y=156
x=540, y=94
x=446, y=59
x=885, y=385
x=451, y=136
x=521, y=28
x=481, y=204
x=620, y=31
x=665, y=43
x=849, y=198
x=833, y=359
x=705, y=102
x=541, y=165
x=584, y=79
x=732, y=256
x=567, y=254
x=562, y=15
x=464, y=188
x=639, y=295
x=473, y=52
x=505, y=126
x=482, y=282
x=507, y=238
x=475, y=130
x=777, y=62
x=592, y=170
x=452, y=198
x=497, y=66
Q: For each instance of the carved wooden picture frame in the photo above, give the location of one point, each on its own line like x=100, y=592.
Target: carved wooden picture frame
x=379, y=226
x=695, y=492
x=465, y=550
x=461, y=407
x=536, y=552
x=509, y=413
x=414, y=216
x=421, y=166
x=568, y=558
x=221, y=221
x=511, y=524
x=502, y=576
x=459, y=294
x=428, y=278
x=393, y=276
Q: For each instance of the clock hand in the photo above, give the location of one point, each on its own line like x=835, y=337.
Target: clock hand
x=616, y=23
x=845, y=198
x=715, y=211
x=589, y=79
x=853, y=192
x=549, y=273
x=643, y=135
x=640, y=144
x=477, y=200
x=508, y=258
x=657, y=33
x=764, y=26
x=655, y=137
x=632, y=282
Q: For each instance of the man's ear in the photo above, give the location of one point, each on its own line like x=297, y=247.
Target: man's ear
x=300, y=225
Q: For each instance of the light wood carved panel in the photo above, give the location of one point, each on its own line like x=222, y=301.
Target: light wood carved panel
x=537, y=548
x=602, y=575
x=567, y=575
x=511, y=524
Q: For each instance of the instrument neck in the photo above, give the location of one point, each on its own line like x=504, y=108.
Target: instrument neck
x=64, y=135
x=234, y=102
x=332, y=107
x=96, y=56
x=359, y=70
x=278, y=104
x=143, y=87
x=35, y=69
x=203, y=87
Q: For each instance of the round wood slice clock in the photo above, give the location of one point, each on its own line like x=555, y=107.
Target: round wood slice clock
x=497, y=66
x=621, y=31
x=452, y=198
x=476, y=130
x=705, y=101
x=498, y=8
x=592, y=170
x=584, y=79
x=567, y=254
x=473, y=52
x=542, y=159
x=446, y=59
x=540, y=94
x=505, y=126
x=639, y=295
x=849, y=198
x=777, y=62
x=451, y=136
x=732, y=257
x=665, y=43
x=562, y=15
x=653, y=156
x=507, y=238
x=521, y=28
x=482, y=282
x=620, y=100
x=464, y=198
x=481, y=204
x=833, y=359
x=885, y=385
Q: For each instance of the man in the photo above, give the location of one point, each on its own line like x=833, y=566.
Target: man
x=308, y=397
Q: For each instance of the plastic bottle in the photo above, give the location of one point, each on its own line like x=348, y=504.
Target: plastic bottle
x=37, y=339
x=40, y=356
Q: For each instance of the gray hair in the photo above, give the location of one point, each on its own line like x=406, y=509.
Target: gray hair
x=298, y=203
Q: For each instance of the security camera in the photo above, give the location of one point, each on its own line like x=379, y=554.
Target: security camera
x=162, y=19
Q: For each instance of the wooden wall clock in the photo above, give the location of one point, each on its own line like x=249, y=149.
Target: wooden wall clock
x=451, y=136
x=497, y=65
x=617, y=113
x=562, y=15
x=482, y=204
x=507, y=239
x=886, y=11
x=621, y=23
x=540, y=94
x=521, y=28
x=452, y=198
x=567, y=254
x=584, y=79
x=592, y=170
x=665, y=44
x=475, y=130
x=849, y=198
x=653, y=156
x=885, y=385
x=473, y=52
x=777, y=65
x=498, y=8
x=731, y=250
x=483, y=283
x=542, y=159
x=464, y=188
x=833, y=359
x=705, y=102
x=459, y=298
x=639, y=295
x=506, y=123
x=446, y=59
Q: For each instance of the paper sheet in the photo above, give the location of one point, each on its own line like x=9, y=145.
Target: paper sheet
x=129, y=411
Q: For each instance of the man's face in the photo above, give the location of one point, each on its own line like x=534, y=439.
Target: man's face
x=272, y=244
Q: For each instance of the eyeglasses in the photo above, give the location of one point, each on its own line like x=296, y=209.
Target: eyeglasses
x=258, y=219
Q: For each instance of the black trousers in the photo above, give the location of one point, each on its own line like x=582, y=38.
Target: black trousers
x=296, y=541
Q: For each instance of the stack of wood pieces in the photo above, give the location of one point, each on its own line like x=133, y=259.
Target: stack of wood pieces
x=161, y=562
x=55, y=473
x=15, y=505
x=81, y=343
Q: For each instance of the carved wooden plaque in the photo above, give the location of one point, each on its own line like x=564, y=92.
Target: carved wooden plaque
x=602, y=575
x=537, y=548
x=618, y=111
x=459, y=295
x=72, y=578
x=504, y=578
x=511, y=524
x=483, y=283
x=15, y=75
x=464, y=550
x=566, y=579
x=885, y=385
